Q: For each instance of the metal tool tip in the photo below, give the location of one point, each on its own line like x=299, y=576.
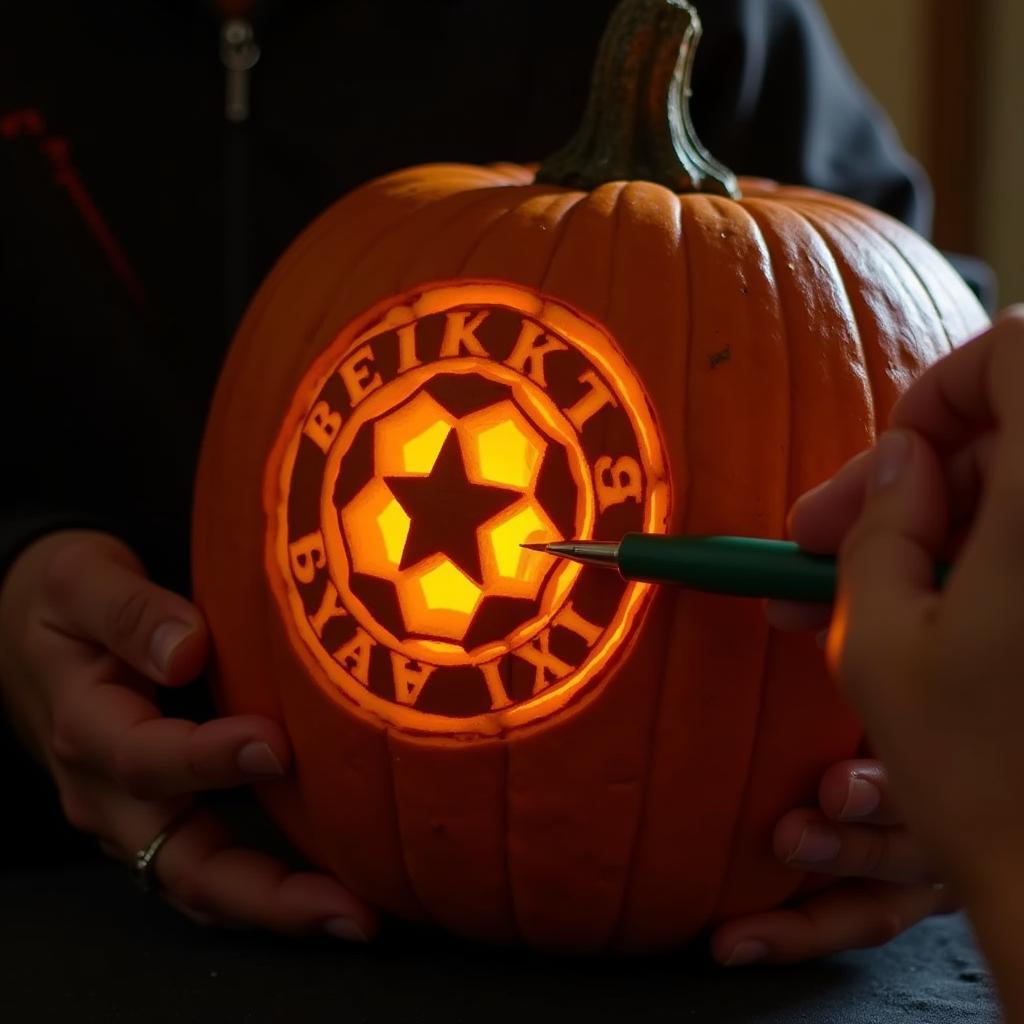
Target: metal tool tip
x=535, y=547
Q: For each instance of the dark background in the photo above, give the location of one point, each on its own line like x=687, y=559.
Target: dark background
x=85, y=946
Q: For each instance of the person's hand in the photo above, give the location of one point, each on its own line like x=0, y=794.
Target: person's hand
x=856, y=834
x=85, y=639
x=953, y=409
x=936, y=673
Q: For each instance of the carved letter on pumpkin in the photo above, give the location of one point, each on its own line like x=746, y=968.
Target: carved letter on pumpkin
x=307, y=555
x=617, y=481
x=330, y=608
x=539, y=655
x=359, y=374
x=569, y=618
x=458, y=334
x=596, y=398
x=407, y=357
x=528, y=352
x=322, y=426
x=355, y=655
x=484, y=417
x=410, y=677
x=495, y=687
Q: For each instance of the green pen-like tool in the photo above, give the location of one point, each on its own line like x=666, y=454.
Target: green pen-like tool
x=743, y=566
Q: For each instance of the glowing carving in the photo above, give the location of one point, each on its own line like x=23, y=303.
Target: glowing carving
x=502, y=447
x=393, y=524
x=380, y=522
x=436, y=434
x=445, y=588
x=409, y=441
x=518, y=569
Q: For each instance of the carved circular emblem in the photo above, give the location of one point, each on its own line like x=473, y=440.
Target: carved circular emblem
x=434, y=436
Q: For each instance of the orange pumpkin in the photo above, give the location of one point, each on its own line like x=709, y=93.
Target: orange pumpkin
x=453, y=360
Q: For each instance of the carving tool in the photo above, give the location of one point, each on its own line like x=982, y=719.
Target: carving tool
x=743, y=566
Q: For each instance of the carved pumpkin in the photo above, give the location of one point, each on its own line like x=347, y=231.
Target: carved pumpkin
x=453, y=360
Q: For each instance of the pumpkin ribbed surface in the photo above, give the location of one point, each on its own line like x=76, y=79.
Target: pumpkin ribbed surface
x=772, y=334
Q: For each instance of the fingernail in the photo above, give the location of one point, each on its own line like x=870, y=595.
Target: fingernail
x=344, y=928
x=256, y=758
x=862, y=799
x=817, y=844
x=890, y=456
x=166, y=639
x=748, y=951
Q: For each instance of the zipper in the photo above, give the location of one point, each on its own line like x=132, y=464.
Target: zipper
x=238, y=54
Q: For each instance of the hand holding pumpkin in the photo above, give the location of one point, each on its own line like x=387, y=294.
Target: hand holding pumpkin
x=953, y=409
x=856, y=833
x=936, y=675
x=85, y=639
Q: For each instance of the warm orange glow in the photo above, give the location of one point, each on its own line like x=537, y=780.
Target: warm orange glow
x=419, y=453
x=395, y=418
x=439, y=600
x=446, y=589
x=502, y=448
x=462, y=458
x=836, y=639
x=409, y=440
x=375, y=517
x=393, y=525
x=516, y=570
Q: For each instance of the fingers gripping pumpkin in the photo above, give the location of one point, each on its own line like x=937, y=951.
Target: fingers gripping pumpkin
x=453, y=360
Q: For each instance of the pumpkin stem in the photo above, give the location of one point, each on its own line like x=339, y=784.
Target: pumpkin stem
x=637, y=125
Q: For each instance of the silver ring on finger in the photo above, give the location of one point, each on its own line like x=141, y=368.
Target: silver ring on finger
x=144, y=862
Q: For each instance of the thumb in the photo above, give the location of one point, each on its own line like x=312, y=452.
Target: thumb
x=98, y=592
x=887, y=561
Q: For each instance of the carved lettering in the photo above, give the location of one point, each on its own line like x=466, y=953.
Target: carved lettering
x=355, y=656
x=322, y=426
x=616, y=481
x=382, y=402
x=329, y=609
x=538, y=654
x=529, y=352
x=410, y=678
x=360, y=375
x=407, y=357
x=460, y=334
x=495, y=687
x=569, y=618
x=307, y=556
x=596, y=398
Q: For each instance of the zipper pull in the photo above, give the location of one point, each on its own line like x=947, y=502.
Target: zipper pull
x=238, y=54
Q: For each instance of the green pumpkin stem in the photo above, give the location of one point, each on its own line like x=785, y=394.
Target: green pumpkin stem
x=637, y=125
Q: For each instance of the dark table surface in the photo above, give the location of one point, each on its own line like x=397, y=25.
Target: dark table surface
x=82, y=944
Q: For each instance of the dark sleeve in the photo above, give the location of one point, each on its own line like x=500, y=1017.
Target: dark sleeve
x=94, y=429
x=776, y=98
x=88, y=412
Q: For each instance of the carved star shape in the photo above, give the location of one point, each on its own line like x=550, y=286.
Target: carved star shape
x=445, y=508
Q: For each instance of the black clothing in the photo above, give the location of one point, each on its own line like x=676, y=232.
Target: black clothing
x=121, y=180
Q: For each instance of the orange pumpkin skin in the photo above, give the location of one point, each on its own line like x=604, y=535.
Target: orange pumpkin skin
x=772, y=335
